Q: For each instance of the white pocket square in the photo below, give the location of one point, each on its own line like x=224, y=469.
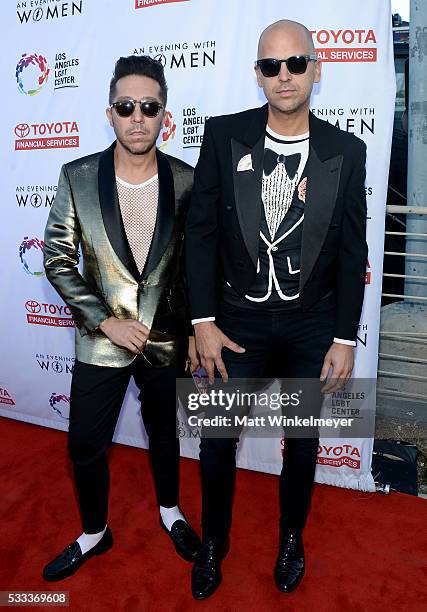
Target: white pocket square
x=245, y=163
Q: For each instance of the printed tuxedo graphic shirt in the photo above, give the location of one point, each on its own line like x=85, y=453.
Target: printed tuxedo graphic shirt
x=284, y=184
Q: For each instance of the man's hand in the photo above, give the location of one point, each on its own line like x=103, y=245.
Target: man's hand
x=193, y=360
x=209, y=343
x=340, y=358
x=127, y=333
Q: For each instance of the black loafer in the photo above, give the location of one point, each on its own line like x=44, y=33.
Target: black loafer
x=206, y=575
x=186, y=541
x=290, y=564
x=71, y=558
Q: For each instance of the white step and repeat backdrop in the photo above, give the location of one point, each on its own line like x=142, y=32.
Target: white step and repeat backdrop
x=57, y=60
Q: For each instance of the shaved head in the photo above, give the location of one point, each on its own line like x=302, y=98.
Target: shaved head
x=288, y=93
x=285, y=28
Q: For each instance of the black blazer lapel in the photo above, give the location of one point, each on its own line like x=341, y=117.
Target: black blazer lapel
x=248, y=183
x=247, y=193
x=322, y=187
x=110, y=209
x=165, y=215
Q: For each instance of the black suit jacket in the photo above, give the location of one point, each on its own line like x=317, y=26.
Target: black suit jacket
x=223, y=222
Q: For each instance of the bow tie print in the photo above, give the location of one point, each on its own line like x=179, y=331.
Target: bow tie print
x=291, y=162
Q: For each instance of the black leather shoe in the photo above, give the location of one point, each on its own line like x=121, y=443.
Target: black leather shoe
x=186, y=541
x=71, y=558
x=290, y=564
x=206, y=575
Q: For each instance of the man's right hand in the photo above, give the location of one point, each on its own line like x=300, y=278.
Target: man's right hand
x=127, y=333
x=209, y=343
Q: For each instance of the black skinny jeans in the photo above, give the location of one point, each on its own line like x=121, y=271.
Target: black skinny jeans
x=298, y=343
x=97, y=394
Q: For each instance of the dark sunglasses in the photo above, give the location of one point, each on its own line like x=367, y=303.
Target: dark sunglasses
x=149, y=108
x=297, y=64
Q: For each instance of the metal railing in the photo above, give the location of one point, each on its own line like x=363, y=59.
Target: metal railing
x=414, y=339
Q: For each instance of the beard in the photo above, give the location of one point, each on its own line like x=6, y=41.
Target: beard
x=292, y=108
x=289, y=107
x=141, y=147
x=137, y=148
x=124, y=133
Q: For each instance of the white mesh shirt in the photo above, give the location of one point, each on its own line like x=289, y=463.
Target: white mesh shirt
x=138, y=206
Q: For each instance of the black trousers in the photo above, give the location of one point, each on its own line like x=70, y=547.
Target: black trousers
x=284, y=345
x=97, y=394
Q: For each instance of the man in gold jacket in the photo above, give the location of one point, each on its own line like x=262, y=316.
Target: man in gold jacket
x=125, y=207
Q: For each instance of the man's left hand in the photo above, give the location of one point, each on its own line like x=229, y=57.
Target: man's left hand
x=340, y=358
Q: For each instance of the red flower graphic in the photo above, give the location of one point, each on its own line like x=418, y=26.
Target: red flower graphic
x=302, y=188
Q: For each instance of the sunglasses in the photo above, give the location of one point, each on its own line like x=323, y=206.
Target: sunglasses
x=296, y=64
x=149, y=108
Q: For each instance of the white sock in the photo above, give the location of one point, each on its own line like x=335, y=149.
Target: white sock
x=170, y=515
x=89, y=540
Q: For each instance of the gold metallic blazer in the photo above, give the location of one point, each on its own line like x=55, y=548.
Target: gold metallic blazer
x=86, y=214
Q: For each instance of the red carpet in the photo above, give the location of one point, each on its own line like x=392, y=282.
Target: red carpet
x=364, y=551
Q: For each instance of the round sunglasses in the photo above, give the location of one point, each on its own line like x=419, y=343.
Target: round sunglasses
x=296, y=64
x=149, y=108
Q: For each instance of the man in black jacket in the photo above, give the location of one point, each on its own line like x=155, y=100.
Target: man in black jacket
x=276, y=259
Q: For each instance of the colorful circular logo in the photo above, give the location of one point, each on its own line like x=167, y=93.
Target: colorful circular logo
x=31, y=73
x=169, y=129
x=30, y=252
x=60, y=404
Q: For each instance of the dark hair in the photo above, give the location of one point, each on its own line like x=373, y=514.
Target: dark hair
x=142, y=65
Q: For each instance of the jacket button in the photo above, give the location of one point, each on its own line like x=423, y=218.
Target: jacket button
x=228, y=207
x=236, y=236
x=241, y=264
